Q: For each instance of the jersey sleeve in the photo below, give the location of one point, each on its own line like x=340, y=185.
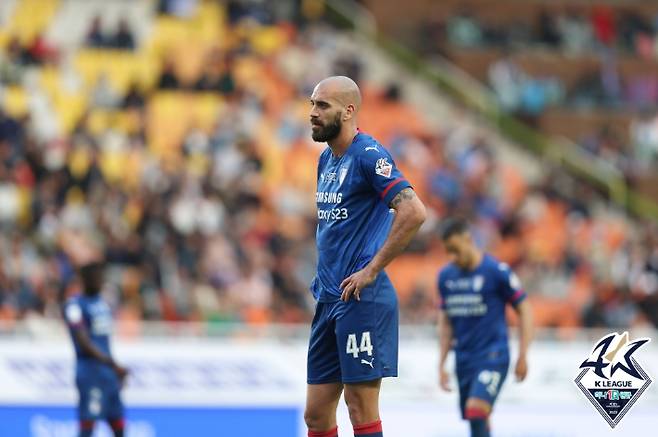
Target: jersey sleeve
x=380, y=171
x=73, y=315
x=510, y=287
x=440, y=286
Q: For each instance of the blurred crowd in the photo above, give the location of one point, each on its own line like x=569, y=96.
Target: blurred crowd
x=219, y=226
x=614, y=49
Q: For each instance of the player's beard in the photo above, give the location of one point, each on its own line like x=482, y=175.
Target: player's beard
x=329, y=131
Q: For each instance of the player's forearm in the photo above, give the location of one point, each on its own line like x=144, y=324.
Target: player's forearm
x=445, y=340
x=409, y=216
x=525, y=327
x=89, y=349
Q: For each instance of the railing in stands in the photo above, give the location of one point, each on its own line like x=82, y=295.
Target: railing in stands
x=463, y=88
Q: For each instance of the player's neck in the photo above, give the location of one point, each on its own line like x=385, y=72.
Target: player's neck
x=476, y=259
x=342, y=142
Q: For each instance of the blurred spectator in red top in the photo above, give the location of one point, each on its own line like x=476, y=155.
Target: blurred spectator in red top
x=603, y=22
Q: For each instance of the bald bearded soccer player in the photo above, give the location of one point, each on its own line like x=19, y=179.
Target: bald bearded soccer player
x=367, y=214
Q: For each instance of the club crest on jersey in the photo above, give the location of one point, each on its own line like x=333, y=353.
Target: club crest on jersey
x=478, y=282
x=383, y=167
x=611, y=379
x=341, y=174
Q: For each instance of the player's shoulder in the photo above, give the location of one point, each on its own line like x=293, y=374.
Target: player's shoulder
x=74, y=309
x=448, y=271
x=76, y=299
x=367, y=146
x=496, y=267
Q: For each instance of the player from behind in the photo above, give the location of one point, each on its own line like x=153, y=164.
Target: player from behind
x=474, y=290
x=98, y=377
x=354, y=334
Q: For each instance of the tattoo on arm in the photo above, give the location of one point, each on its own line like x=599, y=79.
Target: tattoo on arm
x=406, y=194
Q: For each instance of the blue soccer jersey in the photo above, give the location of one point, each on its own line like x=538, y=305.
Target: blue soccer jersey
x=354, y=191
x=474, y=301
x=97, y=383
x=94, y=315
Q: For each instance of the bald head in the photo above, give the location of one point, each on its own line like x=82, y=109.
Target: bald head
x=342, y=89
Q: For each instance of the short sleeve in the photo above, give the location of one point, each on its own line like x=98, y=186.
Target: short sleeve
x=440, y=286
x=509, y=285
x=73, y=315
x=381, y=173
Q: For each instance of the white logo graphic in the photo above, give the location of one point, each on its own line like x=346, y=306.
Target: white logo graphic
x=514, y=281
x=372, y=148
x=491, y=379
x=368, y=362
x=341, y=175
x=611, y=379
x=478, y=282
x=383, y=167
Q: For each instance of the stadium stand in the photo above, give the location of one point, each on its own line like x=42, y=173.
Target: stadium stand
x=179, y=151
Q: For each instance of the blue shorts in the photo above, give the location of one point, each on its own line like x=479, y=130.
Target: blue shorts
x=99, y=398
x=482, y=380
x=355, y=341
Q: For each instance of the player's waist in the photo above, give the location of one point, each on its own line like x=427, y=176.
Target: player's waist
x=328, y=289
x=87, y=360
x=469, y=352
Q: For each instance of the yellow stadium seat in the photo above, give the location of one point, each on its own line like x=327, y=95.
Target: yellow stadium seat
x=122, y=68
x=268, y=39
x=99, y=121
x=189, y=60
x=204, y=108
x=15, y=101
x=31, y=17
x=167, y=121
x=70, y=108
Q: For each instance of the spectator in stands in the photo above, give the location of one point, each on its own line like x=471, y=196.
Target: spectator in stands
x=604, y=25
x=123, y=39
x=41, y=51
x=464, y=30
x=95, y=37
x=547, y=31
x=507, y=79
x=12, y=63
x=575, y=32
x=179, y=8
x=168, y=78
x=217, y=75
x=644, y=136
x=134, y=98
x=103, y=94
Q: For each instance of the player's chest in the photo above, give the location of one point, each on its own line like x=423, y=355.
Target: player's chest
x=478, y=284
x=338, y=181
x=100, y=318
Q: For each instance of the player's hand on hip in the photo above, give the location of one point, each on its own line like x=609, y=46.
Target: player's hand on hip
x=353, y=284
x=121, y=372
x=444, y=380
x=521, y=369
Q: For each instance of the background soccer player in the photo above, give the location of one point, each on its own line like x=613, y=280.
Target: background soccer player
x=474, y=290
x=98, y=377
x=354, y=333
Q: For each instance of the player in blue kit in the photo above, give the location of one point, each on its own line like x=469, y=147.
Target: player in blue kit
x=367, y=214
x=98, y=377
x=474, y=290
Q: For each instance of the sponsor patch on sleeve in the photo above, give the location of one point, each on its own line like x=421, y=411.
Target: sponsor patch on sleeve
x=383, y=167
